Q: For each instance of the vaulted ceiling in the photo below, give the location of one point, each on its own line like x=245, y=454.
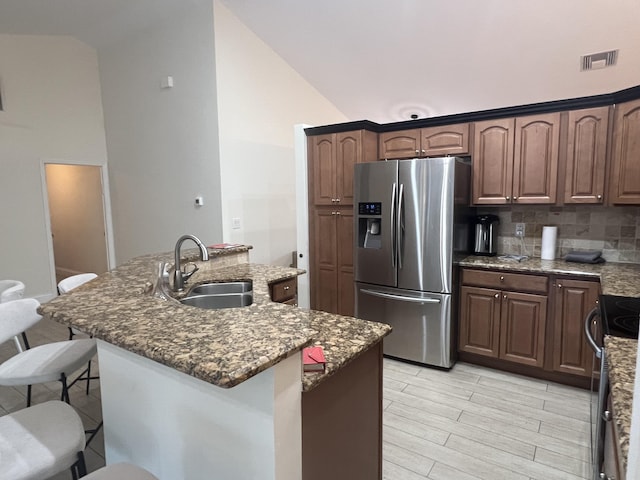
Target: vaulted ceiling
x=385, y=60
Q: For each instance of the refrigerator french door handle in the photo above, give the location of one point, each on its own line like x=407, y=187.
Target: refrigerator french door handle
x=400, y=297
x=587, y=331
x=394, y=240
x=399, y=226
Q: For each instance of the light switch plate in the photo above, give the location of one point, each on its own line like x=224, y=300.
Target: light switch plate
x=519, y=229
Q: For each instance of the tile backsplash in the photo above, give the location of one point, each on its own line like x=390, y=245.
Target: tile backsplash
x=613, y=230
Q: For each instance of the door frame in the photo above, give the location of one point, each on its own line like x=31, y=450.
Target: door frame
x=106, y=208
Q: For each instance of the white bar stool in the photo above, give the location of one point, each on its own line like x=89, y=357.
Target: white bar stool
x=68, y=284
x=45, y=363
x=41, y=441
x=13, y=290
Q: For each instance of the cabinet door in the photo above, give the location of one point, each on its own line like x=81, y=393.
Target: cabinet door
x=351, y=148
x=445, y=140
x=403, y=144
x=535, y=164
x=586, y=155
x=493, y=161
x=322, y=169
x=522, y=326
x=349, y=152
x=345, y=288
x=574, y=299
x=625, y=178
x=479, y=321
x=324, y=290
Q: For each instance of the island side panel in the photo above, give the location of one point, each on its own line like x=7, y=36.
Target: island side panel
x=342, y=422
x=177, y=426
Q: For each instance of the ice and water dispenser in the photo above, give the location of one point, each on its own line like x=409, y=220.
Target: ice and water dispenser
x=370, y=225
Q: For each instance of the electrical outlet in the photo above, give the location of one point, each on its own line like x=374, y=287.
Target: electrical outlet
x=235, y=223
x=520, y=230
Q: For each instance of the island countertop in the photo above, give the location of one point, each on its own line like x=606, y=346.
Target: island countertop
x=615, y=278
x=224, y=347
x=621, y=359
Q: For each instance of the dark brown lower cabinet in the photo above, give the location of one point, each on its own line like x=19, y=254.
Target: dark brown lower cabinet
x=502, y=324
x=574, y=299
x=342, y=423
x=531, y=324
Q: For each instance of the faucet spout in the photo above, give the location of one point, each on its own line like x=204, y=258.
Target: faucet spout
x=179, y=277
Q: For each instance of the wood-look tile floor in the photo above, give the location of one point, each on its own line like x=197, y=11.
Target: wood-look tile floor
x=476, y=423
x=466, y=424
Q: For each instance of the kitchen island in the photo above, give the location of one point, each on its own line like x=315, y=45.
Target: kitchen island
x=195, y=393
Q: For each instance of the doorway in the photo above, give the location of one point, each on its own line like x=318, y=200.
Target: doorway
x=75, y=195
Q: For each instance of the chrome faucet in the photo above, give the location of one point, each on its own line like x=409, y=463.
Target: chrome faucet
x=180, y=277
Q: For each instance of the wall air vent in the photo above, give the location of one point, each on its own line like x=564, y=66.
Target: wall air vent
x=596, y=61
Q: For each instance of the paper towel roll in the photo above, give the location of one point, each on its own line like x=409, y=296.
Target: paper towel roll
x=549, y=236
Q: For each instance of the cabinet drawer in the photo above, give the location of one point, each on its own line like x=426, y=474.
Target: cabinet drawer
x=505, y=281
x=284, y=290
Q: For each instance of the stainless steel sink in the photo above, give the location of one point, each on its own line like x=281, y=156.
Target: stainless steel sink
x=220, y=295
x=221, y=288
x=225, y=300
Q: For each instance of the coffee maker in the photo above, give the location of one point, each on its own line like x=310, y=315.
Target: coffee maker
x=486, y=235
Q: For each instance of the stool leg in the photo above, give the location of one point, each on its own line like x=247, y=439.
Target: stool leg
x=79, y=469
x=64, y=396
x=26, y=342
x=88, y=376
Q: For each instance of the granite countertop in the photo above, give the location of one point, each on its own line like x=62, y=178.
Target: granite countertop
x=223, y=347
x=621, y=359
x=615, y=278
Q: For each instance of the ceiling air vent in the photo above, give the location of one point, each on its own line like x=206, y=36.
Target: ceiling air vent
x=596, y=61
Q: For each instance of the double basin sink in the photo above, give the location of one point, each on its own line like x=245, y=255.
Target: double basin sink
x=220, y=295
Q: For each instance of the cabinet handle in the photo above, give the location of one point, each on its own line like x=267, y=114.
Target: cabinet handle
x=417, y=152
x=338, y=213
x=286, y=288
x=504, y=296
x=599, y=197
x=497, y=295
x=515, y=198
x=606, y=416
x=508, y=197
x=424, y=152
x=333, y=213
x=337, y=200
x=559, y=285
x=333, y=200
x=502, y=278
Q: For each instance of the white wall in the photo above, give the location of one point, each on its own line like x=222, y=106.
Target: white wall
x=260, y=99
x=52, y=109
x=163, y=143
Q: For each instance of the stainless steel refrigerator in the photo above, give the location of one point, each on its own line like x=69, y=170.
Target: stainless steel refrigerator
x=412, y=219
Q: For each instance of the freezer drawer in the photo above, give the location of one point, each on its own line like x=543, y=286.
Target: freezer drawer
x=421, y=322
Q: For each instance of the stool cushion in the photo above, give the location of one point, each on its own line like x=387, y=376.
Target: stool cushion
x=46, y=362
x=39, y=441
x=120, y=471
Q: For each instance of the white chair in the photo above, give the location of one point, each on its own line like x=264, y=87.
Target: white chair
x=68, y=284
x=41, y=441
x=45, y=363
x=13, y=290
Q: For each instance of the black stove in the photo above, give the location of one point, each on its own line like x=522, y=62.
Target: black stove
x=620, y=315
